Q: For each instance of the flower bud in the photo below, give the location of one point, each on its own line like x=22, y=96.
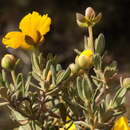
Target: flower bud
x=81, y=21
x=126, y=82
x=74, y=68
x=77, y=60
x=85, y=59
x=89, y=13
x=8, y=61
x=90, y=18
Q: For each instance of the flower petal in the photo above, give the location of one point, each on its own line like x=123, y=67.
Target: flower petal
x=70, y=125
x=15, y=40
x=87, y=53
x=29, y=24
x=44, y=25
x=121, y=124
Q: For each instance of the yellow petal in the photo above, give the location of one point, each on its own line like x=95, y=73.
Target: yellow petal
x=85, y=60
x=29, y=24
x=121, y=124
x=87, y=53
x=35, y=25
x=44, y=25
x=15, y=40
x=70, y=124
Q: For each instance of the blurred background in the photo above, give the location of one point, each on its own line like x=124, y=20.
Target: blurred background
x=65, y=35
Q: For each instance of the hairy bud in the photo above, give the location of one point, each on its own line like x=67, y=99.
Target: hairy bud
x=89, y=12
x=85, y=60
x=74, y=68
x=8, y=61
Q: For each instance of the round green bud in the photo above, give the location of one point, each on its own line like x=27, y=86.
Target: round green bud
x=74, y=68
x=8, y=61
x=126, y=82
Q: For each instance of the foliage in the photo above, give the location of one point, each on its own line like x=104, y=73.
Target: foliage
x=85, y=95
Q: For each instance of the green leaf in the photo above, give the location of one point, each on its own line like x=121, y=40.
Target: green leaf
x=107, y=100
x=18, y=78
x=65, y=75
x=53, y=75
x=88, y=82
x=96, y=81
x=27, y=84
x=36, y=76
x=35, y=64
x=41, y=61
x=17, y=63
x=47, y=68
x=17, y=115
x=79, y=87
x=100, y=44
x=86, y=90
x=111, y=70
x=119, y=96
x=59, y=75
x=97, y=60
x=4, y=104
x=58, y=67
x=96, y=93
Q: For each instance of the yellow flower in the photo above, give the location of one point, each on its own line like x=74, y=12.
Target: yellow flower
x=85, y=60
x=87, y=53
x=15, y=40
x=69, y=126
x=33, y=28
x=121, y=124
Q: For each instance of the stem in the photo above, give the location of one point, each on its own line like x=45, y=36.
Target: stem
x=83, y=124
x=90, y=31
x=36, y=50
x=13, y=77
x=103, y=93
x=33, y=125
